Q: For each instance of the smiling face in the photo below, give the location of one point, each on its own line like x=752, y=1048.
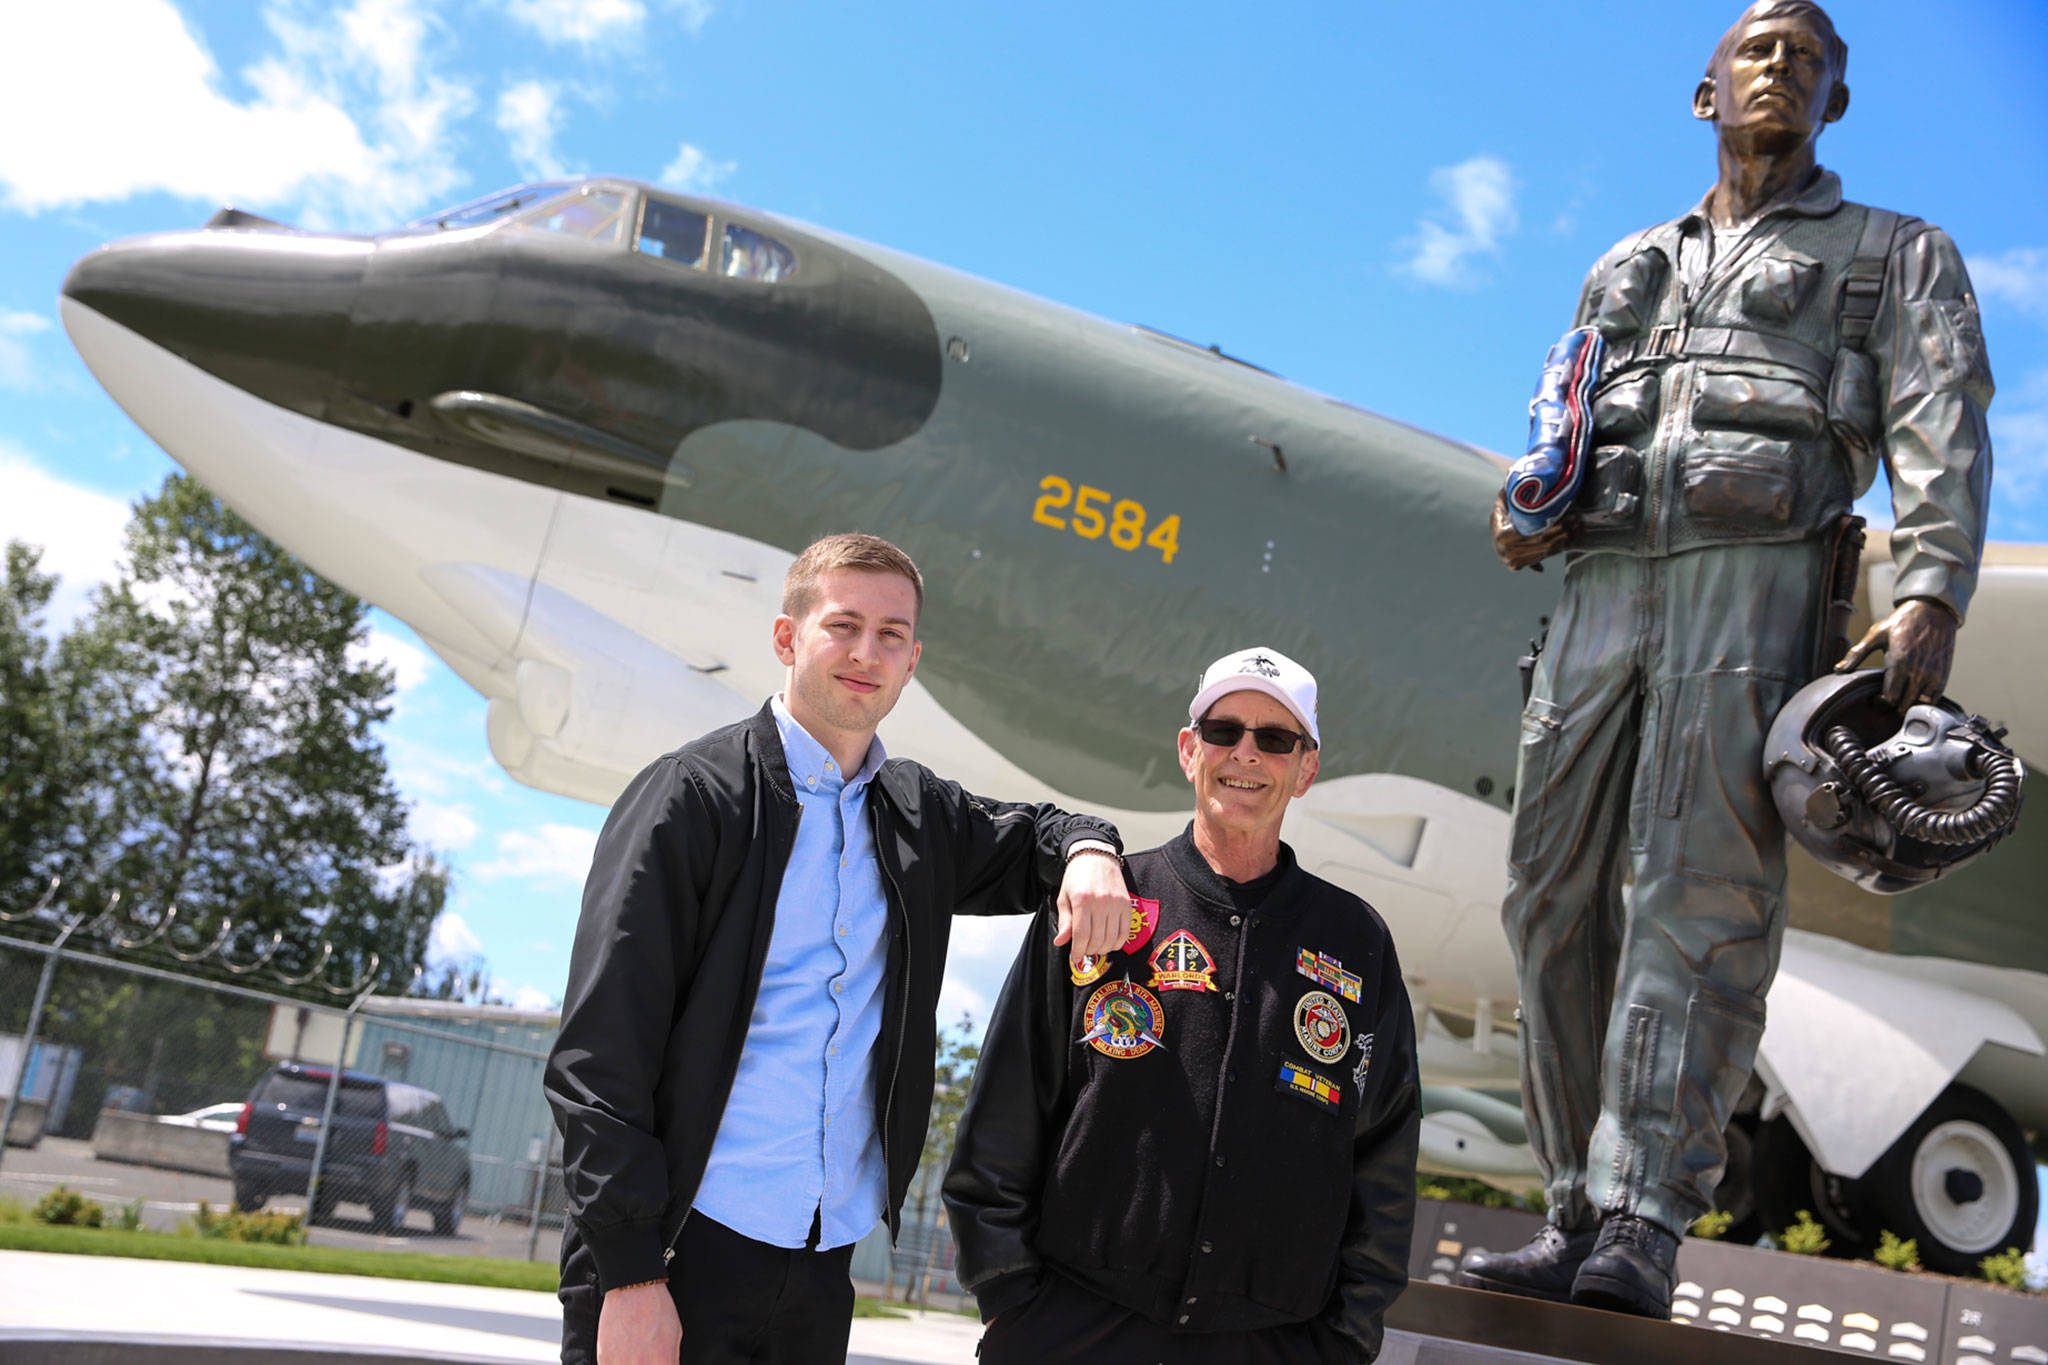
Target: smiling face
x=850, y=654
x=1241, y=791
x=1775, y=84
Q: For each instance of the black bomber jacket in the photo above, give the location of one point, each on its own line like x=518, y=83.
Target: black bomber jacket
x=668, y=957
x=1209, y=1164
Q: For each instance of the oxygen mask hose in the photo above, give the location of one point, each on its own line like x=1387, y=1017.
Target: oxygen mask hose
x=1987, y=818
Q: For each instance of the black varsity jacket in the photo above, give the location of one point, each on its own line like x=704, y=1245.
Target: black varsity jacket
x=1219, y=1131
x=675, y=926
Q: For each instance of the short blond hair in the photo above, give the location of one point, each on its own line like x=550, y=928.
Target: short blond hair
x=848, y=550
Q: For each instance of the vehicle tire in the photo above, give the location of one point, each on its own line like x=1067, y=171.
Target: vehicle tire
x=387, y=1215
x=448, y=1216
x=249, y=1198
x=1787, y=1180
x=1960, y=1182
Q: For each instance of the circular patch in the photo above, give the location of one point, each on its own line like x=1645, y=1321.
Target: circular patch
x=1123, y=1020
x=1320, y=1024
x=1089, y=968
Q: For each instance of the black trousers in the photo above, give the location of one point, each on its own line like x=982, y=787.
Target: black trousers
x=741, y=1302
x=1065, y=1324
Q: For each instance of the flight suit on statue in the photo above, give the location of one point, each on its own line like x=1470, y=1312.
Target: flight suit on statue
x=1755, y=378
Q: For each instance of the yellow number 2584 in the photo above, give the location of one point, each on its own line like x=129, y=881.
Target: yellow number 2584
x=1094, y=515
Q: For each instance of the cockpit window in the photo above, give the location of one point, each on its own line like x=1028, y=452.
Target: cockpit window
x=496, y=206
x=673, y=233
x=749, y=255
x=598, y=215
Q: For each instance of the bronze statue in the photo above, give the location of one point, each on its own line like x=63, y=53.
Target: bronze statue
x=1765, y=354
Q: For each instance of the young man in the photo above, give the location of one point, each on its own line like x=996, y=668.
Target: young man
x=744, y=1069
x=1766, y=354
x=1200, y=1147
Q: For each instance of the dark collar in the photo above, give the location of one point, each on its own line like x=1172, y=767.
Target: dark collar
x=1821, y=197
x=1212, y=887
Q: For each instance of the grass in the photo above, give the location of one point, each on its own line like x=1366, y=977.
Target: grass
x=389, y=1265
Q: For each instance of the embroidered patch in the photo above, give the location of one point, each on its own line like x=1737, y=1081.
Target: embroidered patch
x=1089, y=968
x=1123, y=1020
x=1325, y=970
x=1144, y=919
x=1296, y=1079
x=1181, y=963
x=1364, y=1060
x=1321, y=1025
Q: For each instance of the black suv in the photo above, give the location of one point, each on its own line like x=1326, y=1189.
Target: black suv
x=393, y=1147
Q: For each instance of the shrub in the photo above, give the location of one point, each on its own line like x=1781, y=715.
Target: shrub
x=1468, y=1191
x=128, y=1217
x=274, y=1228
x=1713, y=1224
x=1805, y=1237
x=2008, y=1267
x=12, y=1210
x=66, y=1207
x=1896, y=1254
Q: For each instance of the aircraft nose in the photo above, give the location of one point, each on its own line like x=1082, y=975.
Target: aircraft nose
x=265, y=311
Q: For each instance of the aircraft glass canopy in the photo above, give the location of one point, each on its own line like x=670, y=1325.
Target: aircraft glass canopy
x=494, y=206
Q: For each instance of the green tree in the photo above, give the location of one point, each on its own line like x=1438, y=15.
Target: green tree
x=33, y=780
x=236, y=769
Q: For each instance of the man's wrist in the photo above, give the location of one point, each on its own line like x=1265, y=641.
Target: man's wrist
x=1100, y=846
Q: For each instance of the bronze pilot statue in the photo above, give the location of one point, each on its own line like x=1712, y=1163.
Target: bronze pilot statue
x=1765, y=354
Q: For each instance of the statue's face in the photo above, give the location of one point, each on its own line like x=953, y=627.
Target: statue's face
x=1776, y=82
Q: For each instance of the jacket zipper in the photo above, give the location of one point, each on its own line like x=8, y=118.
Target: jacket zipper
x=896, y=1065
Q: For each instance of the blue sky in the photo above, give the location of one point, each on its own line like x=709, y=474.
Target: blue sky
x=1392, y=204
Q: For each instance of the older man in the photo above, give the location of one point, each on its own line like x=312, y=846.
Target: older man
x=1201, y=1146
x=744, y=1069
x=1767, y=353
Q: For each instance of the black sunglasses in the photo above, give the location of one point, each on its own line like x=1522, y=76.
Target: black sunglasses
x=1271, y=739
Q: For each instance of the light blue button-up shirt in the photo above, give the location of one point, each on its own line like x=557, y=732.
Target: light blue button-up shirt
x=798, y=1136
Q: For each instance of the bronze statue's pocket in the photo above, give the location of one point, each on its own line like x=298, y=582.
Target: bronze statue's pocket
x=1613, y=489
x=1777, y=286
x=1625, y=407
x=1781, y=407
x=1732, y=476
x=1628, y=297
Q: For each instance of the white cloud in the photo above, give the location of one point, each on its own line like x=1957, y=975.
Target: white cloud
x=410, y=665
x=529, y=115
x=2018, y=277
x=1478, y=199
x=525, y=996
x=588, y=23
x=693, y=171
x=550, y=853
x=17, y=366
x=601, y=23
x=442, y=826
x=977, y=959
x=347, y=122
x=78, y=528
x=452, y=940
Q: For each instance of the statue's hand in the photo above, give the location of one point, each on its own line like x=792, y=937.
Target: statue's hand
x=1518, y=551
x=1919, y=644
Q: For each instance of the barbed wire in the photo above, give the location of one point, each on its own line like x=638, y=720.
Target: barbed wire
x=123, y=932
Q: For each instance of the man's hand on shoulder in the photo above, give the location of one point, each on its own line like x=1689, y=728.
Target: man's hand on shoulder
x=637, y=1325
x=1095, y=904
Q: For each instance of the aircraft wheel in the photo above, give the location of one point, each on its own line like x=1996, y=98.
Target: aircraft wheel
x=1787, y=1180
x=1960, y=1182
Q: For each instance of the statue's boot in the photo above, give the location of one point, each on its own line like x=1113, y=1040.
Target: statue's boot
x=1630, y=1269
x=1544, y=1269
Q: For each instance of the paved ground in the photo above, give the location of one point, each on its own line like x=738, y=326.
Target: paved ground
x=169, y=1197
x=114, y=1296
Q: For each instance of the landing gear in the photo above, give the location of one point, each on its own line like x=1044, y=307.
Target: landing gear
x=1959, y=1182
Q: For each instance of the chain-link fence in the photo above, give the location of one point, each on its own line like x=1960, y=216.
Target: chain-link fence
x=411, y=1124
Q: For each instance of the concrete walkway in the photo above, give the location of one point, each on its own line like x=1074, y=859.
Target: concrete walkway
x=114, y=1296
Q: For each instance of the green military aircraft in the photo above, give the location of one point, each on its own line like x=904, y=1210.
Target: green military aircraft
x=574, y=432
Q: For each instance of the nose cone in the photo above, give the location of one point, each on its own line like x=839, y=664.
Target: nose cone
x=267, y=312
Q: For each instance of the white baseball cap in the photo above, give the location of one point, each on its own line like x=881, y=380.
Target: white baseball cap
x=1260, y=669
